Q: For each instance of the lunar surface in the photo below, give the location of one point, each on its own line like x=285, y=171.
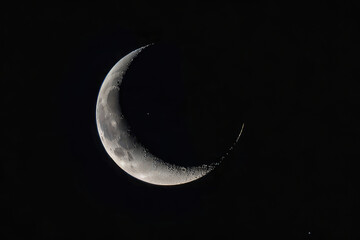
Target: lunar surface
x=129, y=154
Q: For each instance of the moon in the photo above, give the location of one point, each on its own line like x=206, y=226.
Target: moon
x=118, y=141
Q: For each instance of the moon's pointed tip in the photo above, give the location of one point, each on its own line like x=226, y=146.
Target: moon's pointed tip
x=147, y=45
x=241, y=130
x=137, y=51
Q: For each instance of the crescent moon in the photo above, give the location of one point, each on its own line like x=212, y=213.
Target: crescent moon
x=130, y=155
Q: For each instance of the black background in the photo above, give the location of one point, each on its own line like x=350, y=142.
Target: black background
x=289, y=72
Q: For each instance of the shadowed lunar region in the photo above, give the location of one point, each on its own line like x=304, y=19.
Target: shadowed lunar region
x=128, y=153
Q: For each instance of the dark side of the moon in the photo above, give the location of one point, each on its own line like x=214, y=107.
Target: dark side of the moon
x=183, y=116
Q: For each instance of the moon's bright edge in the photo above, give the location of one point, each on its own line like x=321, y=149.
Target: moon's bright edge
x=123, y=147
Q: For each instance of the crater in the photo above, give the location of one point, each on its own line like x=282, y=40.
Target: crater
x=119, y=152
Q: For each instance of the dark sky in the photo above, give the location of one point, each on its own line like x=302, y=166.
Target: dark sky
x=289, y=72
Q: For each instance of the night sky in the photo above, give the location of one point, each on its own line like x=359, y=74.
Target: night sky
x=288, y=72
